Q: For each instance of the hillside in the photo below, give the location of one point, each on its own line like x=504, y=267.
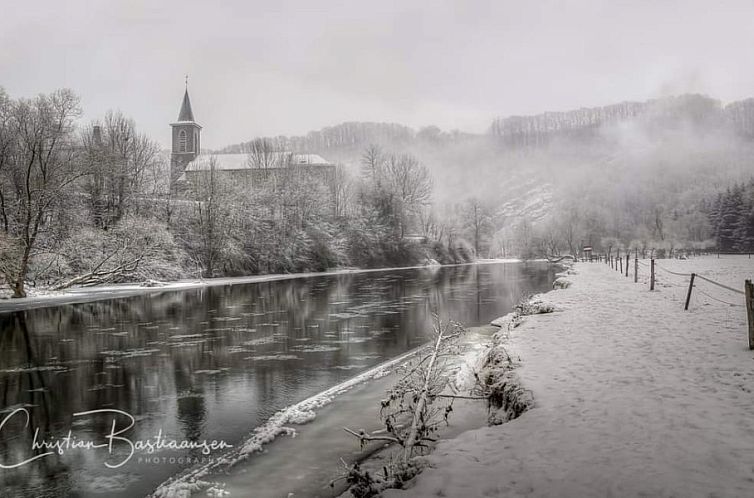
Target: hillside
x=625, y=169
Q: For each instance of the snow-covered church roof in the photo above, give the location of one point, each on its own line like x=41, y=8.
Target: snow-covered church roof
x=240, y=161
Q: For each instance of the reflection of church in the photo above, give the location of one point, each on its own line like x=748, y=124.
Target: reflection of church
x=187, y=162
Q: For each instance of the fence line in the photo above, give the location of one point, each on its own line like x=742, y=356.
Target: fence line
x=674, y=273
x=700, y=291
x=721, y=285
x=703, y=278
x=748, y=293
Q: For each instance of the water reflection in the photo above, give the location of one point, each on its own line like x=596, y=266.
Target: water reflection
x=212, y=363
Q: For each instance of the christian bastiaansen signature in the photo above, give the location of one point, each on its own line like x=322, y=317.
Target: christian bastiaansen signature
x=114, y=439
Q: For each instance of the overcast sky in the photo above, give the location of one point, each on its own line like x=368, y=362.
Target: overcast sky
x=287, y=67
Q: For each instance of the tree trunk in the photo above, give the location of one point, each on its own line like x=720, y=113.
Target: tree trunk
x=18, y=288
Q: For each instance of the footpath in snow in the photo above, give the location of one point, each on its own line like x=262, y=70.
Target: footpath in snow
x=633, y=396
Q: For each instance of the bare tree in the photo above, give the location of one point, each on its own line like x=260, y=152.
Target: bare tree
x=409, y=184
x=7, y=147
x=340, y=190
x=215, y=221
x=119, y=159
x=569, y=226
x=372, y=161
x=40, y=171
x=477, y=216
x=262, y=154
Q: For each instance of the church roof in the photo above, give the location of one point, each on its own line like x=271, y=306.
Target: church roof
x=234, y=162
x=186, y=113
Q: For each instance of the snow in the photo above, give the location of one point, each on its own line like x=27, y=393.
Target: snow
x=633, y=396
x=240, y=161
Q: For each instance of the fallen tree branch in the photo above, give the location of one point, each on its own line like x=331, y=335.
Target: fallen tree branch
x=99, y=276
x=413, y=433
x=363, y=436
x=411, y=413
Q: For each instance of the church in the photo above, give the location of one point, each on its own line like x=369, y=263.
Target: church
x=187, y=162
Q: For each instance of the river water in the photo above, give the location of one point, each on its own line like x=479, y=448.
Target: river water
x=208, y=364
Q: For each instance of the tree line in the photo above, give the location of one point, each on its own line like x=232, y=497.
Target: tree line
x=297, y=219
x=661, y=225
x=84, y=204
x=731, y=216
x=542, y=128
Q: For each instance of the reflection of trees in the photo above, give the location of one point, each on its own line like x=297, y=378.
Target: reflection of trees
x=26, y=387
x=190, y=404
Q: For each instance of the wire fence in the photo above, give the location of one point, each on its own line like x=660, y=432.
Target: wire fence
x=692, y=280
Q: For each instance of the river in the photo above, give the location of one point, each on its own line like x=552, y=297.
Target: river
x=209, y=364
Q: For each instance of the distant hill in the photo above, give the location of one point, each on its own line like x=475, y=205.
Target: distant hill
x=693, y=109
x=611, y=160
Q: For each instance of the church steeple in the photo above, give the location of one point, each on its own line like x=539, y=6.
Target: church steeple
x=186, y=113
x=186, y=138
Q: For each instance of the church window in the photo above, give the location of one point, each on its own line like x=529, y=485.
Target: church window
x=182, y=141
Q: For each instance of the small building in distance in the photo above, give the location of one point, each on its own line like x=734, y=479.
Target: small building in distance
x=250, y=170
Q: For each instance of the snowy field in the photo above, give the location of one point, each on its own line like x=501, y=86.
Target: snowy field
x=633, y=396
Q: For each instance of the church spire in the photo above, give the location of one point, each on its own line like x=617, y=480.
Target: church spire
x=186, y=113
x=186, y=139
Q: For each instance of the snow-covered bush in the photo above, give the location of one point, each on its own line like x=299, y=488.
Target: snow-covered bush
x=136, y=249
x=533, y=305
x=561, y=283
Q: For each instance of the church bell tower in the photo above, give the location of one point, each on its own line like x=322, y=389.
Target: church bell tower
x=186, y=139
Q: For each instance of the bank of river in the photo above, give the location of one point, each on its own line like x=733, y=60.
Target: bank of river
x=40, y=298
x=633, y=395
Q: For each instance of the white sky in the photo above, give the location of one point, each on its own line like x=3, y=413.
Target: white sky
x=287, y=67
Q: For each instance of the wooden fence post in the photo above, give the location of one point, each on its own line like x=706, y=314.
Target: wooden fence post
x=749, y=288
x=688, y=296
x=636, y=269
x=621, y=264
x=627, y=260
x=652, y=275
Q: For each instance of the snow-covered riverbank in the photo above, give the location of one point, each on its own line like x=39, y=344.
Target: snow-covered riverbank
x=40, y=298
x=633, y=396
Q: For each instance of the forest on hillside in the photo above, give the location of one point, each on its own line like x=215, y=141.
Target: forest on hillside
x=88, y=203
x=633, y=174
